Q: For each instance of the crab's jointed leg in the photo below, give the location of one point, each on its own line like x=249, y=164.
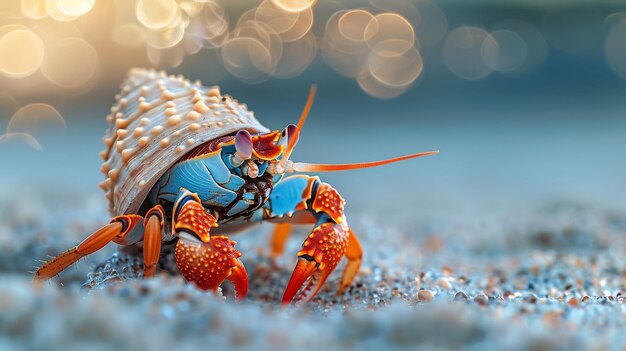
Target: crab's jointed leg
x=303, y=199
x=153, y=227
x=279, y=239
x=123, y=230
x=205, y=260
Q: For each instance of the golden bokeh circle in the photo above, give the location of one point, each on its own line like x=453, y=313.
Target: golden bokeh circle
x=26, y=53
x=300, y=28
x=294, y=5
x=247, y=59
x=157, y=14
x=55, y=12
x=34, y=9
x=352, y=24
x=396, y=71
x=276, y=19
x=75, y=7
x=375, y=88
x=166, y=37
x=70, y=71
x=296, y=57
x=129, y=34
x=389, y=34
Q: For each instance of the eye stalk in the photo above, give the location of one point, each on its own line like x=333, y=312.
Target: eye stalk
x=288, y=134
x=243, y=147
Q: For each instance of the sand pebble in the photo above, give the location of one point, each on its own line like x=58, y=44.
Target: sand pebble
x=530, y=298
x=481, y=299
x=425, y=295
x=443, y=283
x=460, y=297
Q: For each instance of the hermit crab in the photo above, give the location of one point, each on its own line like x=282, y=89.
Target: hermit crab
x=186, y=166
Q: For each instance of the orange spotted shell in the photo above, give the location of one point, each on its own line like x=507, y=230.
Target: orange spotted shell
x=156, y=119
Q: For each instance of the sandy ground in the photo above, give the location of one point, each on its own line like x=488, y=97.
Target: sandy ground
x=550, y=278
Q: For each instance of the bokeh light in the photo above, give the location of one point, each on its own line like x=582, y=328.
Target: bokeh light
x=504, y=50
x=536, y=45
x=389, y=34
x=294, y=5
x=247, y=59
x=375, y=88
x=462, y=53
x=35, y=9
x=380, y=44
x=352, y=24
x=210, y=26
x=157, y=14
x=70, y=71
x=614, y=48
x=129, y=34
x=433, y=24
x=277, y=21
x=300, y=28
x=296, y=57
x=166, y=37
x=21, y=137
x=378, y=50
x=395, y=71
x=34, y=119
x=23, y=53
x=75, y=7
x=56, y=12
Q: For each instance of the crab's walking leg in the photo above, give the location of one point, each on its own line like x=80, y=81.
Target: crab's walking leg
x=121, y=229
x=279, y=238
x=304, y=199
x=153, y=223
x=204, y=259
x=354, y=254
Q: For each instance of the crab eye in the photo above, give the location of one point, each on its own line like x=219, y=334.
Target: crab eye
x=287, y=134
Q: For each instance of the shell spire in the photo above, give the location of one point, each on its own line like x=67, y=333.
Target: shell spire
x=156, y=119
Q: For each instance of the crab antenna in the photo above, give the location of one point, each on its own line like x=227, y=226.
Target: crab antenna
x=303, y=116
x=317, y=167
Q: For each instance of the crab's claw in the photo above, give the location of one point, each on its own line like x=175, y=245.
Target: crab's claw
x=208, y=265
x=320, y=254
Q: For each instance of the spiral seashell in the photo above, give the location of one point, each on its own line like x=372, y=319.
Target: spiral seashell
x=157, y=119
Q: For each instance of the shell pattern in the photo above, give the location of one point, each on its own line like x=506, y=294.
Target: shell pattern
x=157, y=119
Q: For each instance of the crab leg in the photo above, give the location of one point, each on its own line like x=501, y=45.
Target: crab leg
x=121, y=229
x=303, y=199
x=279, y=238
x=153, y=224
x=205, y=260
x=354, y=254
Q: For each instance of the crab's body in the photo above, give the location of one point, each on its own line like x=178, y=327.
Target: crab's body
x=220, y=187
x=182, y=159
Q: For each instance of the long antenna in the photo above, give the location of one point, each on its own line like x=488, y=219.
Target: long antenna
x=303, y=116
x=318, y=167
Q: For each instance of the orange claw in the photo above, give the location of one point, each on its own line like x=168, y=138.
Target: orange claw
x=209, y=264
x=320, y=254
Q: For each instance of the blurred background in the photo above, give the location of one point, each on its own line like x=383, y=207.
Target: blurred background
x=512, y=238
x=524, y=98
